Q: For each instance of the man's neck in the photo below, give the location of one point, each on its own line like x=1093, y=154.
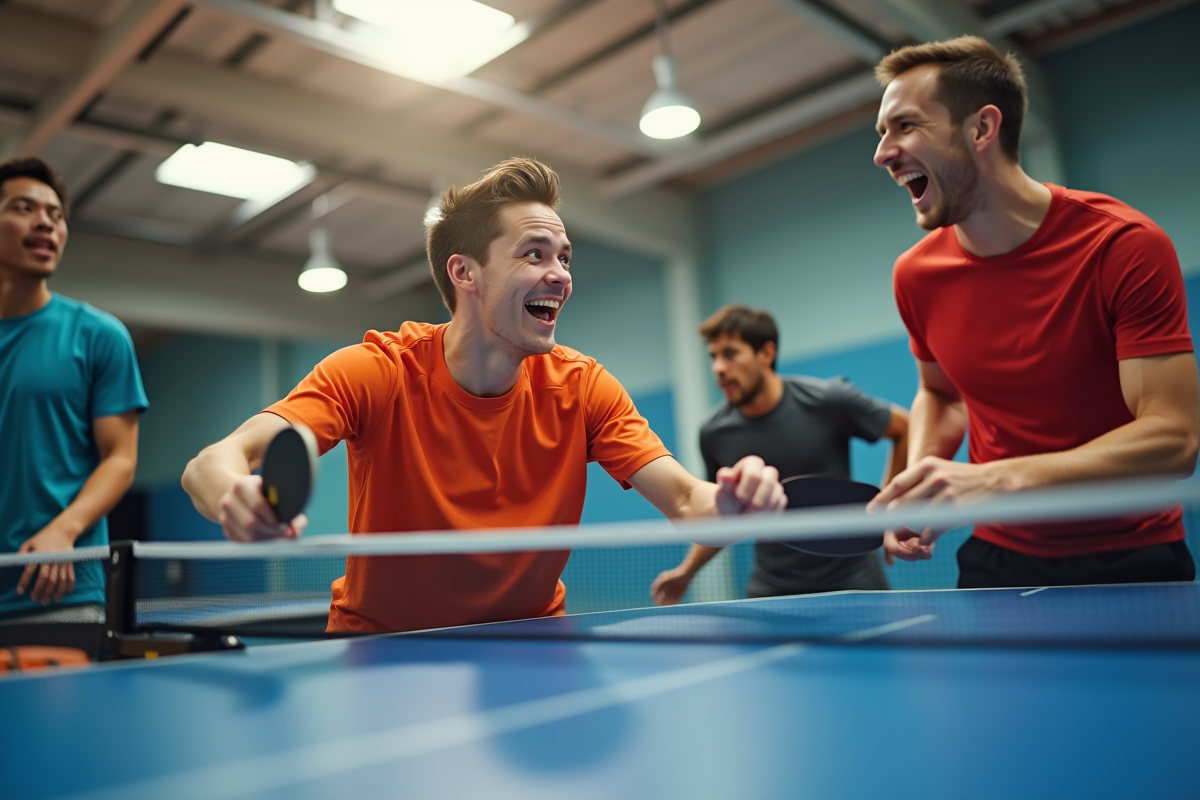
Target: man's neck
x=476, y=363
x=767, y=398
x=21, y=294
x=1013, y=207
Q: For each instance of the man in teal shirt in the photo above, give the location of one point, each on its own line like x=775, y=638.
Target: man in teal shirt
x=70, y=396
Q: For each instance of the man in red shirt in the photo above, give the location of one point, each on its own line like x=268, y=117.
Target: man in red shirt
x=479, y=423
x=1050, y=323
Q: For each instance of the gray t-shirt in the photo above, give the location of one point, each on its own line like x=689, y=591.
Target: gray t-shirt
x=808, y=433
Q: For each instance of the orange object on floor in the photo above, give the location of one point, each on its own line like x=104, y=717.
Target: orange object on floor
x=32, y=657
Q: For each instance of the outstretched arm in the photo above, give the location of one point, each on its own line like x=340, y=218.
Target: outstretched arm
x=223, y=490
x=748, y=487
x=116, y=444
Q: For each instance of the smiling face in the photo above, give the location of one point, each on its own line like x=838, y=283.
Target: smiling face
x=33, y=230
x=925, y=152
x=527, y=279
x=740, y=372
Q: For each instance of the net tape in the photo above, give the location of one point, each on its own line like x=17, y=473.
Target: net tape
x=1078, y=502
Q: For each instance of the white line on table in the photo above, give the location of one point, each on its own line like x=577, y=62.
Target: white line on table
x=1033, y=591
x=871, y=633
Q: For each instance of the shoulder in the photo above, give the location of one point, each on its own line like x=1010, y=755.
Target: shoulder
x=415, y=336
x=810, y=387
x=823, y=392
x=1104, y=214
x=96, y=327
x=90, y=317
x=564, y=366
x=414, y=343
x=933, y=244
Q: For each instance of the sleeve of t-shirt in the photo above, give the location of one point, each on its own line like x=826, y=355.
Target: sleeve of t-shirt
x=116, y=382
x=858, y=414
x=1144, y=291
x=344, y=396
x=619, y=438
x=908, y=314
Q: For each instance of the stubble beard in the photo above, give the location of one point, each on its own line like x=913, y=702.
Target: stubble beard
x=958, y=191
x=750, y=394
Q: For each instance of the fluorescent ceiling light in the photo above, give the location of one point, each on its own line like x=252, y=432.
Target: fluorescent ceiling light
x=234, y=172
x=431, y=40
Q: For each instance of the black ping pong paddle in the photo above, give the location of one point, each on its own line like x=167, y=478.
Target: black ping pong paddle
x=817, y=491
x=289, y=470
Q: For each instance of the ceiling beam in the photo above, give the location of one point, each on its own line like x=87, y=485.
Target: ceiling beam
x=177, y=288
x=414, y=272
x=331, y=39
x=811, y=109
x=869, y=45
x=140, y=26
x=291, y=119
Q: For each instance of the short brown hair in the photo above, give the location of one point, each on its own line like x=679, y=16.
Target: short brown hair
x=753, y=326
x=467, y=218
x=971, y=74
x=38, y=170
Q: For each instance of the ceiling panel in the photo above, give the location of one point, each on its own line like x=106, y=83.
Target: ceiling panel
x=137, y=194
x=208, y=35
x=737, y=60
x=361, y=233
x=93, y=13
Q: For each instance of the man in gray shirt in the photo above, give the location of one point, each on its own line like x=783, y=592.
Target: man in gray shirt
x=800, y=426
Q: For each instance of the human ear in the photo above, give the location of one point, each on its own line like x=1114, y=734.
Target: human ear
x=766, y=353
x=461, y=272
x=984, y=127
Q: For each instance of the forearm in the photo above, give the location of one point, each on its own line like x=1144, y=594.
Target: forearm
x=1151, y=445
x=697, y=557
x=698, y=500
x=897, y=459
x=937, y=425
x=101, y=491
x=211, y=474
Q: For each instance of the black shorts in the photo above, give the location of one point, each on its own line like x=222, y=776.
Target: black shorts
x=983, y=565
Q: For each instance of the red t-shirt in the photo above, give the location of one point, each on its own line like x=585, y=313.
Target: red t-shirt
x=1032, y=338
x=424, y=454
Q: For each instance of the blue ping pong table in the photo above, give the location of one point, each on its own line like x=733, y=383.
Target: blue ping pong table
x=1055, y=693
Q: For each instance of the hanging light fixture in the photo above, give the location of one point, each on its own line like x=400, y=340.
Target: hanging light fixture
x=322, y=272
x=668, y=114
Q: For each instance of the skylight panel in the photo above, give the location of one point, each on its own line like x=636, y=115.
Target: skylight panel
x=431, y=40
x=233, y=172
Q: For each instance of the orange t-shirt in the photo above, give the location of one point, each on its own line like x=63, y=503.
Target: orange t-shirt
x=424, y=454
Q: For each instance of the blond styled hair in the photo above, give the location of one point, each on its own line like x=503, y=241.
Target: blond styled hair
x=467, y=218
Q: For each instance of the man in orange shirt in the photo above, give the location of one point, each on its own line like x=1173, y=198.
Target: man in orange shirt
x=480, y=422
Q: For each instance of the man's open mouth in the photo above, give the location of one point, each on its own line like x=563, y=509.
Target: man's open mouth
x=545, y=310
x=915, y=182
x=40, y=243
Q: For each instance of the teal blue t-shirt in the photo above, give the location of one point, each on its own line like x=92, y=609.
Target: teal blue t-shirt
x=61, y=367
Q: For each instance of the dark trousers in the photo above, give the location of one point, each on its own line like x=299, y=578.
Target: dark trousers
x=983, y=565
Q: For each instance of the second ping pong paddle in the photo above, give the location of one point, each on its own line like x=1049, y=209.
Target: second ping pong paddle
x=817, y=491
x=289, y=470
